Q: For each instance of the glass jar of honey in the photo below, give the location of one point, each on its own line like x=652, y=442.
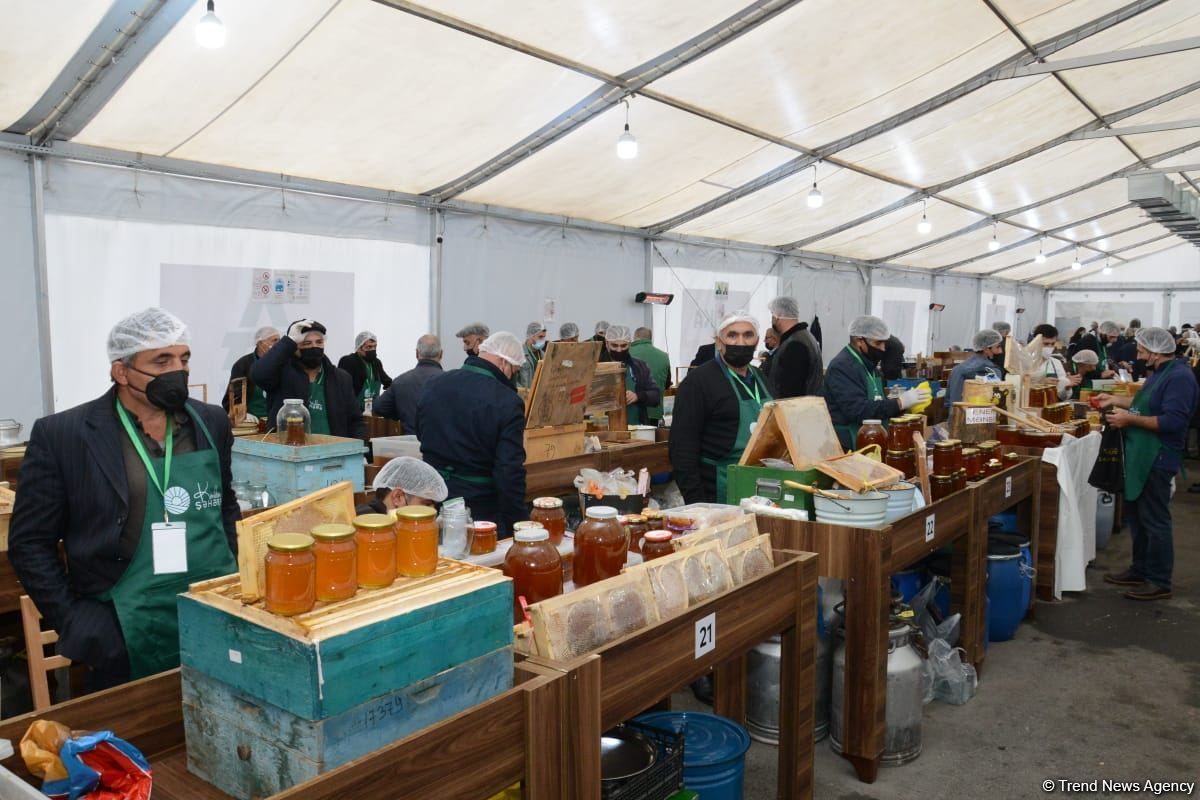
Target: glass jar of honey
x=972, y=462
x=1008, y=434
x=293, y=423
x=375, y=535
x=1010, y=460
x=291, y=574
x=483, y=538
x=337, y=561
x=989, y=449
x=903, y=460
x=992, y=466
x=654, y=519
x=635, y=527
x=941, y=486
x=656, y=544
x=960, y=479
x=871, y=432
x=416, y=541
x=535, y=567
x=548, y=512
x=601, y=546
x=947, y=457
x=899, y=434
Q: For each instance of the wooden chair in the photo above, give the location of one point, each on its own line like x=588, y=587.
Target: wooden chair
x=40, y=664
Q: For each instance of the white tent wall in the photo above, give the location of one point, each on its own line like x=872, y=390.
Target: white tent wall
x=1069, y=309
x=834, y=295
x=1033, y=299
x=955, y=325
x=902, y=300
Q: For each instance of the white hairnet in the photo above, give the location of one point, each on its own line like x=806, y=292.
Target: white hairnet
x=363, y=338
x=146, y=330
x=1156, y=340
x=869, y=327
x=601, y=327
x=568, y=330
x=986, y=338
x=1086, y=357
x=262, y=334
x=618, y=333
x=474, y=329
x=1003, y=328
x=1110, y=328
x=737, y=316
x=505, y=345
x=414, y=476
x=533, y=329
x=784, y=308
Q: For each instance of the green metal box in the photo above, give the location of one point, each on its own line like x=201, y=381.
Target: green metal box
x=742, y=482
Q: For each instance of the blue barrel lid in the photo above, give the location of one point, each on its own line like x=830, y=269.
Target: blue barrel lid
x=708, y=739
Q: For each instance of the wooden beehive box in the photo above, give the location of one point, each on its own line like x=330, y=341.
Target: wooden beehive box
x=558, y=441
x=798, y=429
x=340, y=655
x=290, y=471
x=556, y=401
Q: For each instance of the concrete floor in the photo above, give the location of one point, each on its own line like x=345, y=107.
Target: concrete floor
x=1095, y=687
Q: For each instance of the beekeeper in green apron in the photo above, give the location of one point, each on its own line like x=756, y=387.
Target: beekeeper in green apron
x=716, y=408
x=1155, y=423
x=641, y=392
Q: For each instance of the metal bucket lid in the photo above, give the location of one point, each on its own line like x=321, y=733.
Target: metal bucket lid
x=625, y=753
x=1002, y=550
x=708, y=739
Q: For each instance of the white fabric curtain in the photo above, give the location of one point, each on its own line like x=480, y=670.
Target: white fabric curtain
x=20, y=361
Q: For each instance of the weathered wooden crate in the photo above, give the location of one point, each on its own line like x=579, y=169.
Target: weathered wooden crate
x=554, y=441
x=252, y=749
x=340, y=655
x=290, y=471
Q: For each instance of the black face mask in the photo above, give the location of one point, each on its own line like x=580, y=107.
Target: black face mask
x=371, y=356
x=167, y=391
x=738, y=355
x=312, y=357
x=620, y=355
x=874, y=355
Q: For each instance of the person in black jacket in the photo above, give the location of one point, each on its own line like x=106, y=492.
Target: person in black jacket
x=715, y=407
x=892, y=365
x=471, y=423
x=400, y=400
x=796, y=367
x=704, y=354
x=264, y=340
x=365, y=369
x=296, y=368
x=1103, y=343
x=641, y=392
x=770, y=345
x=96, y=478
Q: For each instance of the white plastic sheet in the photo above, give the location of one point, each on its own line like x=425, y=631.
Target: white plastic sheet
x=1076, y=544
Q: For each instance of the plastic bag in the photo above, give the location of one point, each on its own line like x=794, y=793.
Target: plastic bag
x=924, y=609
x=619, y=482
x=1108, y=473
x=39, y=749
x=954, y=681
x=93, y=766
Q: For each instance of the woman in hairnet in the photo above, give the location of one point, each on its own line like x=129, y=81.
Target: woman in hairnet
x=405, y=481
x=136, y=486
x=1155, y=423
x=854, y=388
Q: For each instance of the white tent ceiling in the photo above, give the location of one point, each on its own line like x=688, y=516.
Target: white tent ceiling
x=907, y=106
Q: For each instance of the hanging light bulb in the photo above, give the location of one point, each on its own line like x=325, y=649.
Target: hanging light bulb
x=994, y=244
x=815, y=198
x=1076, y=265
x=209, y=30
x=1107, y=269
x=1041, y=256
x=627, y=145
x=924, y=227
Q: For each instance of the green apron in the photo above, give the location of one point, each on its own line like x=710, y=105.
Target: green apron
x=256, y=403
x=450, y=471
x=145, y=602
x=1141, y=446
x=749, y=405
x=318, y=411
x=633, y=414
x=848, y=432
x=370, y=388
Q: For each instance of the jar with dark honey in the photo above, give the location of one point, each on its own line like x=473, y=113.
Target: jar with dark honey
x=636, y=527
x=941, y=486
x=960, y=480
x=337, y=561
x=656, y=544
x=989, y=449
x=291, y=574
x=549, y=513
x=535, y=566
x=416, y=541
x=992, y=466
x=375, y=535
x=972, y=462
x=899, y=434
x=947, y=457
x=601, y=546
x=903, y=460
x=1008, y=434
x=1010, y=460
x=483, y=537
x=871, y=432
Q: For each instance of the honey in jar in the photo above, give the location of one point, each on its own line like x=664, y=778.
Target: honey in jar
x=416, y=541
x=941, y=486
x=548, y=512
x=636, y=527
x=483, y=538
x=656, y=544
x=535, y=567
x=899, y=434
x=903, y=460
x=601, y=546
x=972, y=462
x=960, y=480
x=992, y=466
x=337, y=561
x=375, y=535
x=1010, y=460
x=947, y=457
x=871, y=432
x=291, y=574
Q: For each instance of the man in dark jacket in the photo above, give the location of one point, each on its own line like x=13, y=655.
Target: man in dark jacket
x=704, y=354
x=641, y=392
x=796, y=366
x=1102, y=343
x=366, y=371
x=296, y=367
x=400, y=400
x=471, y=423
x=136, y=486
x=264, y=340
x=892, y=365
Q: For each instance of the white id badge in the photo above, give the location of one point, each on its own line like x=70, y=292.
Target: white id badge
x=170, y=547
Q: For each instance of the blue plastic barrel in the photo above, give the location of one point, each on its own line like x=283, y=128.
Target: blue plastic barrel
x=714, y=751
x=1005, y=520
x=907, y=583
x=1004, y=591
x=1020, y=541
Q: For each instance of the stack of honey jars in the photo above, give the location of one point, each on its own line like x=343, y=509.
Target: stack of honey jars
x=949, y=473
x=900, y=453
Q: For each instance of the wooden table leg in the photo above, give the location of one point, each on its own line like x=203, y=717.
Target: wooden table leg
x=797, y=687
x=580, y=730
x=545, y=759
x=865, y=685
x=968, y=583
x=729, y=689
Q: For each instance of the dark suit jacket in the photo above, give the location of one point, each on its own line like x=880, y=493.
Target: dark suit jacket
x=400, y=399
x=74, y=489
x=284, y=378
x=704, y=354
x=356, y=368
x=241, y=369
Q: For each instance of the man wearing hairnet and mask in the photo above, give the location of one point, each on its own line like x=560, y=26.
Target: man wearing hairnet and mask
x=297, y=367
x=472, y=336
x=986, y=344
x=854, y=388
x=471, y=423
x=1105, y=337
x=1005, y=330
x=136, y=486
x=796, y=366
x=367, y=375
x=405, y=481
x=641, y=392
x=256, y=404
x=535, y=347
x=715, y=407
x=1154, y=423
x=1086, y=363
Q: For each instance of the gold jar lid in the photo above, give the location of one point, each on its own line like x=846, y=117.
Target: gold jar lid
x=374, y=521
x=548, y=502
x=415, y=513
x=946, y=444
x=332, y=531
x=290, y=542
x=652, y=513
x=902, y=453
x=970, y=451
x=898, y=420
x=635, y=519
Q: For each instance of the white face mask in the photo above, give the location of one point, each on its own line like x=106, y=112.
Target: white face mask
x=1047, y=352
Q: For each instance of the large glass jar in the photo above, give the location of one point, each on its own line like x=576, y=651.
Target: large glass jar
x=548, y=511
x=483, y=538
x=337, y=561
x=416, y=541
x=291, y=574
x=375, y=535
x=293, y=424
x=535, y=567
x=871, y=432
x=656, y=544
x=601, y=546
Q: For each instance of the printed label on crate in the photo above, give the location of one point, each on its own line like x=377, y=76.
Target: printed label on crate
x=706, y=634
x=930, y=527
x=1007, y=486
x=980, y=416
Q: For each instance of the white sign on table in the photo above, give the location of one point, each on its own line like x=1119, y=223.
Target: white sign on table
x=1007, y=486
x=930, y=527
x=706, y=634
x=980, y=416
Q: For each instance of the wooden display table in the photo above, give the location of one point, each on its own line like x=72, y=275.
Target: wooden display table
x=472, y=755
x=636, y=672
x=557, y=477
x=632, y=456
x=865, y=559
x=1018, y=486
x=1045, y=537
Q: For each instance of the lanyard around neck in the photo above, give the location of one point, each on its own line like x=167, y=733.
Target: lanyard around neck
x=756, y=396
x=141, y=450
x=872, y=378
